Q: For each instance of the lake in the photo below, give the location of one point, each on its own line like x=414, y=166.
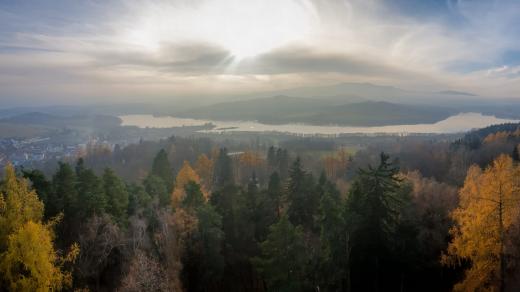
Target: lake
x=455, y=124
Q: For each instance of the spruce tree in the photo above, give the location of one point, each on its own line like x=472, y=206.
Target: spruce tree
x=283, y=162
x=194, y=197
x=161, y=168
x=64, y=184
x=275, y=193
x=116, y=194
x=91, y=195
x=272, y=160
x=40, y=184
x=223, y=173
x=301, y=196
x=371, y=214
x=138, y=199
x=156, y=188
x=283, y=258
x=65, y=198
x=253, y=208
x=333, y=238
x=203, y=262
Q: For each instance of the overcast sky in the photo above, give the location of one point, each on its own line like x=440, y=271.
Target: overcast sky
x=62, y=51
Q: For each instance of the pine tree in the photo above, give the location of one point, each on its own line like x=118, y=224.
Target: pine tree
x=194, y=197
x=334, y=246
x=272, y=160
x=156, y=188
x=301, y=197
x=372, y=209
x=91, y=195
x=223, y=173
x=161, y=168
x=203, y=263
x=41, y=185
x=55, y=199
x=282, y=156
x=211, y=236
x=252, y=209
x=229, y=202
x=283, y=258
x=252, y=192
x=138, y=199
x=64, y=196
x=116, y=194
x=80, y=166
x=322, y=185
x=275, y=193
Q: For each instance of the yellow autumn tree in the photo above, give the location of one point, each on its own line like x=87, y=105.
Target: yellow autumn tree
x=185, y=175
x=28, y=261
x=18, y=205
x=498, y=136
x=488, y=208
x=204, y=168
x=29, y=264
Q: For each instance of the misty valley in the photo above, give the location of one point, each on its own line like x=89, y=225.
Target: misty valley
x=454, y=124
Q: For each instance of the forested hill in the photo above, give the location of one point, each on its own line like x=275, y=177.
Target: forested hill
x=476, y=138
x=321, y=111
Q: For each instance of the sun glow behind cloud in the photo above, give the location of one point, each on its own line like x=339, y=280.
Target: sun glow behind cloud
x=244, y=28
x=129, y=49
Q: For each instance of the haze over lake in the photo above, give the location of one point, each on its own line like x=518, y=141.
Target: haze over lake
x=458, y=123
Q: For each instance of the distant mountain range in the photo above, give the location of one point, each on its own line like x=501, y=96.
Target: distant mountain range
x=357, y=92
x=320, y=111
x=455, y=92
x=356, y=104
x=351, y=90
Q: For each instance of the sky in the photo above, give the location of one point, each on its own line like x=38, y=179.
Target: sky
x=74, y=52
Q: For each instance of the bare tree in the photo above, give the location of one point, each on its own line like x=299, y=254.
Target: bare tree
x=98, y=239
x=146, y=274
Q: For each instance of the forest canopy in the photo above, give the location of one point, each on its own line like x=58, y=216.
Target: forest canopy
x=203, y=218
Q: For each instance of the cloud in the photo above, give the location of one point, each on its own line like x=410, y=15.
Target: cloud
x=50, y=50
x=505, y=71
x=298, y=59
x=196, y=59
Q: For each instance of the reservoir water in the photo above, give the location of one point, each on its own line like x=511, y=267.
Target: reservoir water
x=458, y=123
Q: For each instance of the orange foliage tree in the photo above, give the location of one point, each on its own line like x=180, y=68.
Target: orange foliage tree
x=488, y=210
x=204, y=168
x=185, y=175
